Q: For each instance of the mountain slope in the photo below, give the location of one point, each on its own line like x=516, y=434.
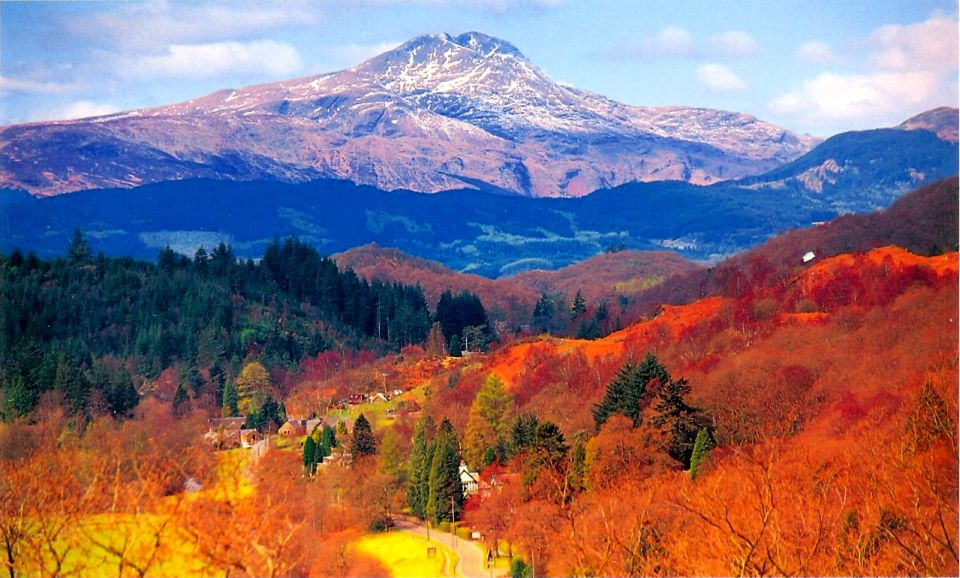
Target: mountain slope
x=436, y=113
x=866, y=170
x=511, y=299
x=924, y=222
x=467, y=230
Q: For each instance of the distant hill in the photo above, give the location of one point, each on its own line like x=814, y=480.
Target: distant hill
x=511, y=299
x=923, y=222
x=608, y=275
x=940, y=121
x=467, y=230
x=861, y=171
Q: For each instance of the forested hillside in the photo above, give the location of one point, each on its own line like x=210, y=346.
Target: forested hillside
x=84, y=326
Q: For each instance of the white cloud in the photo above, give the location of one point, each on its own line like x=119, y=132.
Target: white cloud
x=817, y=52
x=832, y=96
x=719, y=77
x=495, y=5
x=930, y=45
x=734, y=44
x=216, y=59
x=8, y=84
x=355, y=53
x=670, y=41
x=140, y=26
x=909, y=69
x=79, y=109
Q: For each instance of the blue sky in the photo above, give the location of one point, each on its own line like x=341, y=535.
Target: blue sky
x=814, y=66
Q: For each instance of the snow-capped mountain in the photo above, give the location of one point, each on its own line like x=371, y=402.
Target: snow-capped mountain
x=436, y=113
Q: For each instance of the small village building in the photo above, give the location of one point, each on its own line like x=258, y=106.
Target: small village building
x=293, y=428
x=469, y=480
x=249, y=437
x=224, y=433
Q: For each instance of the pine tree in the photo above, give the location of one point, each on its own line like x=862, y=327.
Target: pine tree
x=79, y=250
x=181, y=401
x=579, y=305
x=363, y=442
x=417, y=491
x=455, y=349
x=230, y=401
x=309, y=455
x=446, y=490
x=522, y=431
x=72, y=384
x=701, y=447
x=20, y=400
x=680, y=421
x=625, y=395
x=328, y=439
x=122, y=396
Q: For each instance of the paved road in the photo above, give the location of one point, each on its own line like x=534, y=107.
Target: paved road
x=472, y=556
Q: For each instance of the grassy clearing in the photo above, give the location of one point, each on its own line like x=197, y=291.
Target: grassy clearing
x=405, y=553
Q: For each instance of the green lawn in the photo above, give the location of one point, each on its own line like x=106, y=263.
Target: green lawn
x=405, y=553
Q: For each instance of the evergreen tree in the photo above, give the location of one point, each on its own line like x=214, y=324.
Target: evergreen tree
x=122, y=397
x=701, y=447
x=626, y=394
x=455, y=350
x=181, y=401
x=543, y=313
x=310, y=455
x=19, y=399
x=363, y=443
x=79, y=249
x=522, y=432
x=577, y=477
x=549, y=447
x=230, y=406
x=680, y=421
x=579, y=305
x=71, y=383
x=328, y=440
x=418, y=485
x=446, y=490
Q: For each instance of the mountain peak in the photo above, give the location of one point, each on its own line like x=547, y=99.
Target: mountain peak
x=478, y=42
x=435, y=113
x=942, y=121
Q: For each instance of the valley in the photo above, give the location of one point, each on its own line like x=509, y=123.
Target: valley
x=437, y=314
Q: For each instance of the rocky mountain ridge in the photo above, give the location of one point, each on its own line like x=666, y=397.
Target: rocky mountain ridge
x=438, y=112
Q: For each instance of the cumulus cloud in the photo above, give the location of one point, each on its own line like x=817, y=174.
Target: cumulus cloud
x=931, y=45
x=909, y=69
x=216, y=59
x=675, y=41
x=734, y=44
x=719, y=77
x=355, y=53
x=140, y=26
x=78, y=109
x=495, y=5
x=9, y=84
x=670, y=41
x=817, y=52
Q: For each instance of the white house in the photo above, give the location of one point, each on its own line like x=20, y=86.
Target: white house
x=469, y=480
